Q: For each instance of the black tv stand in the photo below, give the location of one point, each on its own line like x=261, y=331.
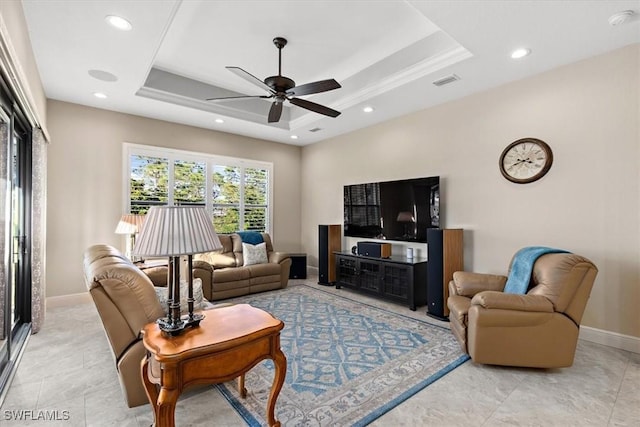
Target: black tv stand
x=397, y=278
x=411, y=281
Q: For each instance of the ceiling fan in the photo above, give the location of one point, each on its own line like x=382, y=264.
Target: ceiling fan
x=283, y=89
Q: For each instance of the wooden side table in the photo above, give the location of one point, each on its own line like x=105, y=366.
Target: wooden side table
x=228, y=343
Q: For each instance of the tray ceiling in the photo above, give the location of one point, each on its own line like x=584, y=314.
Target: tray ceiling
x=385, y=54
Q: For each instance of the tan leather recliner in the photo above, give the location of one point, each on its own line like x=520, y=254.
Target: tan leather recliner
x=126, y=301
x=539, y=329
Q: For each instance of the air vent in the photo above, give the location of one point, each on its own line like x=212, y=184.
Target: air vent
x=446, y=80
x=315, y=129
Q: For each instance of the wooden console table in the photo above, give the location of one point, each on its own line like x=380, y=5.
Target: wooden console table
x=228, y=343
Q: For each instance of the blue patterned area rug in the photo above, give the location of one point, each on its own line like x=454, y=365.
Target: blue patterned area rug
x=347, y=362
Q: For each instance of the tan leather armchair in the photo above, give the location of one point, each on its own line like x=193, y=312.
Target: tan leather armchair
x=538, y=329
x=126, y=301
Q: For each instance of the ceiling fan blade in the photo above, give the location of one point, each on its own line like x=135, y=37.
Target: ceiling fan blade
x=250, y=78
x=315, y=87
x=275, y=112
x=316, y=108
x=238, y=97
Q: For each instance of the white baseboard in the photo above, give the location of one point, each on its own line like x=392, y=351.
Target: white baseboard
x=612, y=339
x=67, y=300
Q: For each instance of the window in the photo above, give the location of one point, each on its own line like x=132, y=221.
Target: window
x=236, y=192
x=148, y=182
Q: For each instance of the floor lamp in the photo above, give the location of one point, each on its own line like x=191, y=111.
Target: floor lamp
x=130, y=224
x=174, y=231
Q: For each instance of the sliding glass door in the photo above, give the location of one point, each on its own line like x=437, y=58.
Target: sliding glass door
x=15, y=233
x=5, y=203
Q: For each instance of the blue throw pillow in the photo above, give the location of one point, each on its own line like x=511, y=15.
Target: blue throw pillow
x=250, y=237
x=522, y=267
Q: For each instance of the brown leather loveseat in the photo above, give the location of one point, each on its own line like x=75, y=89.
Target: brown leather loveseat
x=224, y=274
x=539, y=329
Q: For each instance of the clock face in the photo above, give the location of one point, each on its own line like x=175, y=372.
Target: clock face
x=526, y=160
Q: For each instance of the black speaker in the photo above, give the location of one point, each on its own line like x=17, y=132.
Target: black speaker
x=374, y=249
x=435, y=266
x=329, y=241
x=445, y=256
x=298, y=266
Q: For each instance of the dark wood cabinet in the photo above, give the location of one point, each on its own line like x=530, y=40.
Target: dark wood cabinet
x=396, y=279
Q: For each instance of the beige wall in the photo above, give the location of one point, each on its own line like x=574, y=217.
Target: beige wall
x=85, y=178
x=588, y=203
x=18, y=34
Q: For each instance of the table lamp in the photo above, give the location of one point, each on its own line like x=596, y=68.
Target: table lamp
x=407, y=218
x=130, y=224
x=173, y=231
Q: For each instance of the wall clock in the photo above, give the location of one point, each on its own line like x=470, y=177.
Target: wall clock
x=526, y=160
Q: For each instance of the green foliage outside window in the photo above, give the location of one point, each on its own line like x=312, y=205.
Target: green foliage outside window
x=149, y=183
x=228, y=193
x=189, y=183
x=256, y=182
x=239, y=196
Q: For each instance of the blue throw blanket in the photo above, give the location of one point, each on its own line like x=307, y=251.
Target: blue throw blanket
x=250, y=237
x=520, y=274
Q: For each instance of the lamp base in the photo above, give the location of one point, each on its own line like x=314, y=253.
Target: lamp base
x=175, y=328
x=193, y=320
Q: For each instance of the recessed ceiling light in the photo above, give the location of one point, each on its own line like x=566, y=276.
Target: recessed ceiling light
x=99, y=95
x=294, y=136
x=219, y=121
x=520, y=53
x=118, y=22
x=367, y=109
x=621, y=17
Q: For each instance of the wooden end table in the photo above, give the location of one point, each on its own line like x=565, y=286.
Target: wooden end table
x=228, y=343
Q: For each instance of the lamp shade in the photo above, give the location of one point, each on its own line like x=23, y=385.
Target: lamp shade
x=405, y=217
x=130, y=224
x=176, y=230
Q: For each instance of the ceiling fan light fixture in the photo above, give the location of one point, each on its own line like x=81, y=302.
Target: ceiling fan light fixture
x=118, y=22
x=520, y=53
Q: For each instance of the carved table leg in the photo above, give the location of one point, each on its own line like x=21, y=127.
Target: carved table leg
x=166, y=407
x=280, y=362
x=150, y=388
x=241, y=389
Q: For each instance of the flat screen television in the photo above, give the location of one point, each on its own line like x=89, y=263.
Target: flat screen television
x=392, y=210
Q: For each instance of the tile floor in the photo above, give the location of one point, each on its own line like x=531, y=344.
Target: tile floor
x=67, y=367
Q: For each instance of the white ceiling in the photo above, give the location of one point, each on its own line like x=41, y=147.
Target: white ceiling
x=386, y=54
